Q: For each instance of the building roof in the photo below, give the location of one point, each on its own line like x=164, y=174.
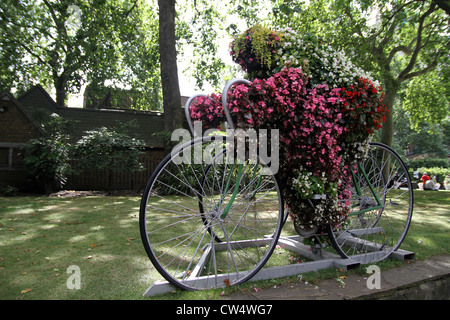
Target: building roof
x=148, y=122
x=16, y=124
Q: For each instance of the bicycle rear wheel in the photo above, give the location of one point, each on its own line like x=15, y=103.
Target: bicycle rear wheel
x=187, y=236
x=381, y=206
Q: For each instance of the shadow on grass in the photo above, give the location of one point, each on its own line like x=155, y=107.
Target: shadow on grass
x=41, y=237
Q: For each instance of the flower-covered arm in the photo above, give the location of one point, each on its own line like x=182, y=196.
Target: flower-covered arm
x=224, y=99
x=188, y=113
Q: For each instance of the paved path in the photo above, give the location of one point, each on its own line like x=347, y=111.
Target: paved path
x=417, y=280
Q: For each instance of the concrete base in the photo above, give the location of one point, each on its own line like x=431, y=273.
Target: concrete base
x=322, y=260
x=418, y=280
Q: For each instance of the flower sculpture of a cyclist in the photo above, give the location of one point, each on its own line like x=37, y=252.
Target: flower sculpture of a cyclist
x=326, y=110
x=211, y=224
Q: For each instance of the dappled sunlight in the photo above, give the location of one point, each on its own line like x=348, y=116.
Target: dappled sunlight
x=146, y=273
x=97, y=228
x=429, y=232
x=24, y=211
x=40, y=240
x=77, y=238
x=432, y=219
x=48, y=226
x=46, y=208
x=41, y=237
x=57, y=217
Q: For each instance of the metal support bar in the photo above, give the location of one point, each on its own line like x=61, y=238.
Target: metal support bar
x=325, y=260
x=322, y=261
x=373, y=248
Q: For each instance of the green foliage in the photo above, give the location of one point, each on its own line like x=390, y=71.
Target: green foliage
x=206, y=26
x=46, y=158
x=426, y=100
x=9, y=191
x=430, y=139
x=441, y=174
x=111, y=149
x=395, y=40
x=308, y=185
x=198, y=26
x=260, y=42
x=68, y=43
x=428, y=163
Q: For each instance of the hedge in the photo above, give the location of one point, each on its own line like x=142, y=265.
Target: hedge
x=439, y=173
x=415, y=164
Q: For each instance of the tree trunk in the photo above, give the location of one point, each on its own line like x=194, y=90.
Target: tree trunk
x=390, y=94
x=60, y=83
x=48, y=187
x=388, y=127
x=169, y=71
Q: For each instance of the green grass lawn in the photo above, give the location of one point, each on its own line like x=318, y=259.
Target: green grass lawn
x=40, y=237
x=429, y=233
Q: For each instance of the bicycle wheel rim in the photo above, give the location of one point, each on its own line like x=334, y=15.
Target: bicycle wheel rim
x=370, y=235
x=179, y=231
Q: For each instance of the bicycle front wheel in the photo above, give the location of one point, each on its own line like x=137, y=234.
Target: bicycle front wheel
x=380, y=205
x=207, y=223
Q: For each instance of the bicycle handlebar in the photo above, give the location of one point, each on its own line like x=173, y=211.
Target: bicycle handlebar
x=187, y=113
x=224, y=99
x=224, y=104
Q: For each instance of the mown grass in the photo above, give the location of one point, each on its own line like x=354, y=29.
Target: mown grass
x=40, y=237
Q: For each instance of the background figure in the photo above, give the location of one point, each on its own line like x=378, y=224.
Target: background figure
x=428, y=183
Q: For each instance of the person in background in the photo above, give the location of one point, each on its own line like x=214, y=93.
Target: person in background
x=428, y=184
x=425, y=178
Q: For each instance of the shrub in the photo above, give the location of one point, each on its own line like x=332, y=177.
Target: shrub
x=428, y=163
x=46, y=158
x=112, y=149
x=9, y=191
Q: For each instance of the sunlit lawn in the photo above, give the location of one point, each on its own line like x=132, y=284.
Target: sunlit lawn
x=429, y=233
x=41, y=237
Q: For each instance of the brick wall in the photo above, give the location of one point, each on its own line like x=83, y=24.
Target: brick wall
x=15, y=126
x=16, y=129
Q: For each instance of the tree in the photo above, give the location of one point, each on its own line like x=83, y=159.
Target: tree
x=422, y=138
x=444, y=5
x=70, y=42
x=138, y=80
x=43, y=46
x=396, y=40
x=169, y=71
x=207, y=27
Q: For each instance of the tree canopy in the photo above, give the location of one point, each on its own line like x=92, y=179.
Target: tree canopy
x=67, y=44
x=397, y=40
